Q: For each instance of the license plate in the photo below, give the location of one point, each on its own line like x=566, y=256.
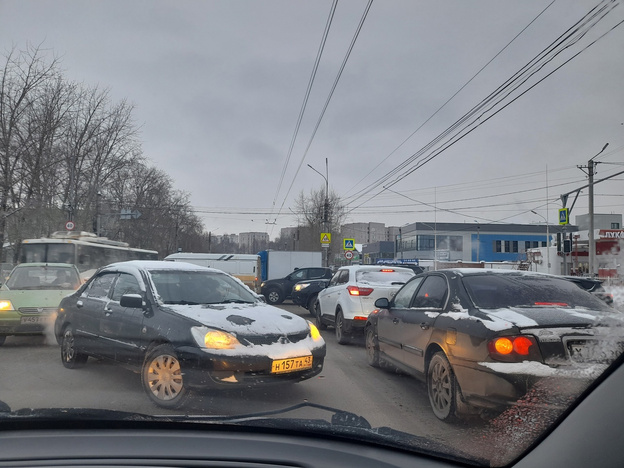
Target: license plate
x=590, y=351
x=291, y=365
x=35, y=319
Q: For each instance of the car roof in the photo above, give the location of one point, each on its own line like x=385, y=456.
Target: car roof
x=147, y=265
x=44, y=264
x=375, y=268
x=490, y=271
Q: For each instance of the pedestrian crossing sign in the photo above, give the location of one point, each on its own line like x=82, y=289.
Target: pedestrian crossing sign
x=564, y=216
x=325, y=238
x=348, y=244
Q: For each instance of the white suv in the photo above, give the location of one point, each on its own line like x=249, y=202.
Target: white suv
x=351, y=295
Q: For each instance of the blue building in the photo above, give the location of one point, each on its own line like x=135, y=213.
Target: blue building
x=472, y=242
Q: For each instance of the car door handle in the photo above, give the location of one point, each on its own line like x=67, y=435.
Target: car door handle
x=79, y=304
x=108, y=312
x=395, y=320
x=424, y=325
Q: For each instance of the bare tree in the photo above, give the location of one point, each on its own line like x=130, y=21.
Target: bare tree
x=68, y=152
x=316, y=215
x=29, y=120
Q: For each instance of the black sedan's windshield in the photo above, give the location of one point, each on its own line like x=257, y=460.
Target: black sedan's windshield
x=498, y=291
x=199, y=287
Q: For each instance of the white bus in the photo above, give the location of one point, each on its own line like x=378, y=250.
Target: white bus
x=83, y=249
x=245, y=267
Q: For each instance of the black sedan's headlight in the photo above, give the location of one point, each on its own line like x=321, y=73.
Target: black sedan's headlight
x=209, y=338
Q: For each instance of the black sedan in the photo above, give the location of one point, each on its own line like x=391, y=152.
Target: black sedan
x=480, y=339
x=305, y=294
x=185, y=326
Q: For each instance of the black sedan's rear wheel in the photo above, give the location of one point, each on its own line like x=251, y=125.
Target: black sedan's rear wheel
x=71, y=356
x=162, y=378
x=442, y=386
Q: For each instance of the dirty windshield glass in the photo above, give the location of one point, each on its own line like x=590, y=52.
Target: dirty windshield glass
x=386, y=276
x=493, y=292
x=43, y=277
x=267, y=142
x=196, y=287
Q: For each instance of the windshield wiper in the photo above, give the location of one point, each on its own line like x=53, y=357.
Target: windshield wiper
x=237, y=301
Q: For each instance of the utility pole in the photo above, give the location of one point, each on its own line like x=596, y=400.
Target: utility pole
x=591, y=169
x=325, y=207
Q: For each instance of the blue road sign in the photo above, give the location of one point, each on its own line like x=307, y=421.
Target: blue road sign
x=348, y=244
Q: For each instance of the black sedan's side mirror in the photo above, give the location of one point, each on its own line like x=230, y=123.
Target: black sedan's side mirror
x=134, y=301
x=382, y=303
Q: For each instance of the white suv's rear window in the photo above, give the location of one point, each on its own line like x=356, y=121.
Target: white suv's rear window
x=386, y=276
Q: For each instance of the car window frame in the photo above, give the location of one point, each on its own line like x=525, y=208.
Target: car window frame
x=447, y=294
x=117, y=281
x=418, y=280
x=86, y=292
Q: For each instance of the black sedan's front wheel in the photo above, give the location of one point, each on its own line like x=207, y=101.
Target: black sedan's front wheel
x=339, y=326
x=274, y=296
x=71, y=356
x=162, y=378
x=312, y=305
x=372, y=347
x=442, y=386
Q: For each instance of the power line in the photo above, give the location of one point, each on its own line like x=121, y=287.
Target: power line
x=572, y=35
x=331, y=93
x=452, y=97
x=306, y=97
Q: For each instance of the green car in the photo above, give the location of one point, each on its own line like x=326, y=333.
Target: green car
x=30, y=296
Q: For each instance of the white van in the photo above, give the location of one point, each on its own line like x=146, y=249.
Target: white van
x=245, y=267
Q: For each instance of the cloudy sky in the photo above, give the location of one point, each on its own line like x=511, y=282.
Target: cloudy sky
x=219, y=85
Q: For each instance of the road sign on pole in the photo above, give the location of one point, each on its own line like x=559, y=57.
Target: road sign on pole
x=325, y=238
x=348, y=254
x=70, y=225
x=348, y=244
x=564, y=216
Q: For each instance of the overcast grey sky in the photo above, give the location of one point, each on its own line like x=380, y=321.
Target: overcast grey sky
x=218, y=86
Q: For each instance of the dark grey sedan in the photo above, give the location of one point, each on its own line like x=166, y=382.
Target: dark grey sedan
x=480, y=339
x=185, y=326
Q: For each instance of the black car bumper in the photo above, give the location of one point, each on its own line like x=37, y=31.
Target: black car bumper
x=497, y=385
x=205, y=370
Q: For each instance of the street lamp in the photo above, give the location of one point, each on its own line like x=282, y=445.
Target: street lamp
x=547, y=238
x=325, y=205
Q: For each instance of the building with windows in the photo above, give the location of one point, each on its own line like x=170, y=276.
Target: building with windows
x=364, y=233
x=468, y=242
x=253, y=242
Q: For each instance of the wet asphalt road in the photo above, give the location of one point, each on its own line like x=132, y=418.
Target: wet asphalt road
x=32, y=376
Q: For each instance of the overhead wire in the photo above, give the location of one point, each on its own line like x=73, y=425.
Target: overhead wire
x=319, y=54
x=329, y=97
x=450, y=99
x=573, y=35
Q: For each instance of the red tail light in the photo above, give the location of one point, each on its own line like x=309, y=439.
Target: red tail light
x=387, y=270
x=555, y=304
x=514, y=349
x=356, y=291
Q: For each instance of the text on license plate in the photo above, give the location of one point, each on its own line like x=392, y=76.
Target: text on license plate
x=35, y=319
x=291, y=365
